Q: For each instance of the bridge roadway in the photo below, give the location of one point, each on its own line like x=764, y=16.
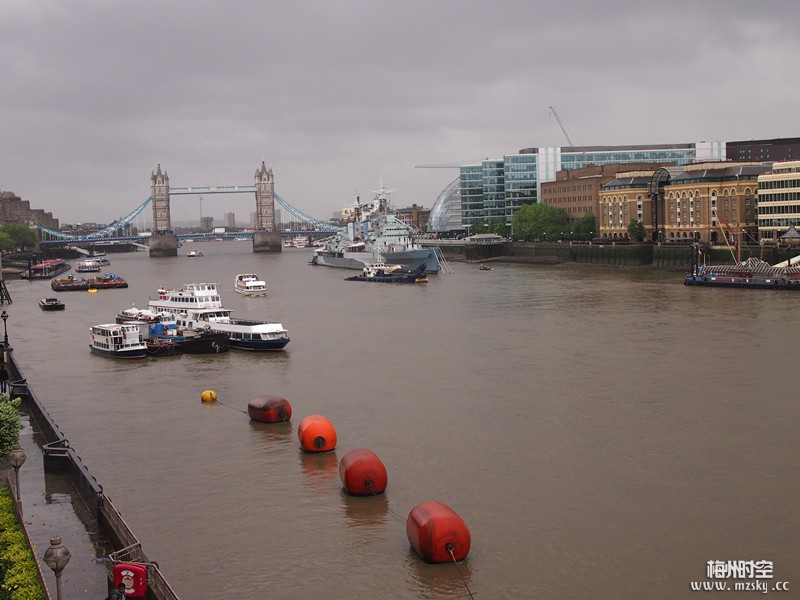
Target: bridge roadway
x=143, y=239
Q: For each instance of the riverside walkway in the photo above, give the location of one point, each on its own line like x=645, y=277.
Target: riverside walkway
x=51, y=506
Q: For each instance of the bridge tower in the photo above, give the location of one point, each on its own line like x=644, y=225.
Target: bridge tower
x=163, y=242
x=159, y=190
x=265, y=198
x=266, y=238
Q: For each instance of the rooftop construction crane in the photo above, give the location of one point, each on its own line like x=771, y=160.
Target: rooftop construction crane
x=563, y=128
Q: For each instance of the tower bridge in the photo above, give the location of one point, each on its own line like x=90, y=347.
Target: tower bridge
x=164, y=241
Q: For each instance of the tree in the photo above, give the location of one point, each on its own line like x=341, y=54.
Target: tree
x=636, y=230
x=10, y=423
x=539, y=222
x=20, y=235
x=585, y=227
x=497, y=226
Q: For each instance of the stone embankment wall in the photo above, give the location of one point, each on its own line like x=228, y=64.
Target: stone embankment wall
x=664, y=256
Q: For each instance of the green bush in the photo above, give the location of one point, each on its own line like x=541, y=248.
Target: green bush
x=19, y=579
x=10, y=423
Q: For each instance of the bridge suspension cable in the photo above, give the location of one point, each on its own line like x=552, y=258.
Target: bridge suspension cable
x=101, y=233
x=305, y=218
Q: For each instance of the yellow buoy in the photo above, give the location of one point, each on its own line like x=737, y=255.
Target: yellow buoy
x=92, y=290
x=208, y=396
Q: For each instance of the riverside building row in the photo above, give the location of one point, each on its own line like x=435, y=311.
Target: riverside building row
x=572, y=178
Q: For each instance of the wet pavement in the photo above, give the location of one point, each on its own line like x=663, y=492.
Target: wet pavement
x=52, y=507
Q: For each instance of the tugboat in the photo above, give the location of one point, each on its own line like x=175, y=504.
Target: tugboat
x=380, y=273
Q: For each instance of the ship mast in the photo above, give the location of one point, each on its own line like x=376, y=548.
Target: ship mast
x=382, y=197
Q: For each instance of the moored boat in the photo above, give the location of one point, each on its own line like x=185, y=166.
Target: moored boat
x=243, y=334
x=161, y=347
x=99, y=282
x=47, y=269
x=51, y=304
x=381, y=273
x=199, y=306
x=191, y=295
x=117, y=340
x=376, y=236
x=188, y=340
x=137, y=314
x=249, y=284
x=751, y=273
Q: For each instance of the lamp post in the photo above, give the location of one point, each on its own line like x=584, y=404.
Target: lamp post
x=16, y=458
x=4, y=316
x=56, y=557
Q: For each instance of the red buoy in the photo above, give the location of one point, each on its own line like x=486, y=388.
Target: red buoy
x=316, y=434
x=435, y=530
x=269, y=409
x=362, y=473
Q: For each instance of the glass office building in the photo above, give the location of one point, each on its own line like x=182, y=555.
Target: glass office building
x=495, y=188
x=445, y=214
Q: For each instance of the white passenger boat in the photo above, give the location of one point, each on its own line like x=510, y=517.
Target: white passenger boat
x=199, y=306
x=301, y=241
x=87, y=266
x=243, y=334
x=117, y=340
x=191, y=295
x=249, y=284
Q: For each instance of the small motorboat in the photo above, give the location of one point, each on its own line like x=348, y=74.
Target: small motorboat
x=485, y=268
x=193, y=253
x=51, y=304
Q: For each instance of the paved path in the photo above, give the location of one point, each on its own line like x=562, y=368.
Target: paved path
x=51, y=507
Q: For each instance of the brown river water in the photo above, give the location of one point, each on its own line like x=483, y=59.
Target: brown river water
x=604, y=433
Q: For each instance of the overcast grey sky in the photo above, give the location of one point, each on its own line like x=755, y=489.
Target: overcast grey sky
x=336, y=94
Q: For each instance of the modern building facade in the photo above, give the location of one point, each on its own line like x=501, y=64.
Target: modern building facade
x=492, y=189
x=779, y=200
x=446, y=210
